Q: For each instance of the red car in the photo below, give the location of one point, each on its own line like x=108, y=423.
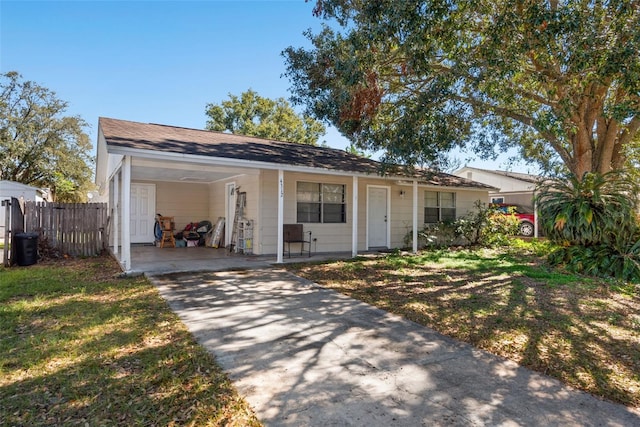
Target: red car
x=525, y=216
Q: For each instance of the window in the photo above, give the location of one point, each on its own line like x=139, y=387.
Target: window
x=439, y=206
x=323, y=203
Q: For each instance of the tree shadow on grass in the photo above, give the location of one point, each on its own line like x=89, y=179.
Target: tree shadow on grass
x=125, y=390
x=108, y=358
x=513, y=312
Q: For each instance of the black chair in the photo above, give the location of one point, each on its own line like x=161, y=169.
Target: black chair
x=293, y=233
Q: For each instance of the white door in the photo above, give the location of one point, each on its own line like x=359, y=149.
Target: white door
x=377, y=217
x=143, y=205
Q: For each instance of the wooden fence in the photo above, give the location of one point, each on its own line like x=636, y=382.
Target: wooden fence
x=76, y=229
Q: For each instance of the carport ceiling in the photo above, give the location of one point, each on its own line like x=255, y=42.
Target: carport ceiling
x=183, y=172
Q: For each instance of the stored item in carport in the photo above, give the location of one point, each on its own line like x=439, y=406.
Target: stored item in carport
x=216, y=233
x=191, y=235
x=192, y=238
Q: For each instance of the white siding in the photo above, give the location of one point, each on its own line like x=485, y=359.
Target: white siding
x=465, y=201
x=217, y=195
x=186, y=202
x=337, y=237
x=106, y=165
x=195, y=202
x=512, y=190
x=503, y=183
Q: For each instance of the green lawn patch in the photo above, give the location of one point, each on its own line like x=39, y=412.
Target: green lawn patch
x=82, y=347
x=581, y=330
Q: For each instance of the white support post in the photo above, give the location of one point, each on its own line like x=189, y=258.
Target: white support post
x=280, y=215
x=415, y=216
x=354, y=219
x=126, y=213
x=116, y=212
x=535, y=216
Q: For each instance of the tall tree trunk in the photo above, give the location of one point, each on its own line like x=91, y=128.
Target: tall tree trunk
x=607, y=145
x=583, y=152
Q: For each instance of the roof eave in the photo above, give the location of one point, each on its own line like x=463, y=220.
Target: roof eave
x=253, y=164
x=422, y=183
x=229, y=161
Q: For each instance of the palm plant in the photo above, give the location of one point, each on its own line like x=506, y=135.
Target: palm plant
x=594, y=220
x=590, y=211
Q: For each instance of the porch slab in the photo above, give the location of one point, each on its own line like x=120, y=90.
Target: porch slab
x=151, y=260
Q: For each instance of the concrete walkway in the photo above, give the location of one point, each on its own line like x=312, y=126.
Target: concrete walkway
x=303, y=355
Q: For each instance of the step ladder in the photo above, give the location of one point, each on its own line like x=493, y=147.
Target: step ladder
x=241, y=199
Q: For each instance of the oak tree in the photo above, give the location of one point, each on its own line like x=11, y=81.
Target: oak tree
x=557, y=79
x=253, y=115
x=39, y=145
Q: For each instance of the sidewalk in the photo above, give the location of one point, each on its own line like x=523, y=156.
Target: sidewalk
x=306, y=356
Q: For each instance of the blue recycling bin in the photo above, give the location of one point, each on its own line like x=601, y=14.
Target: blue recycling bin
x=26, y=248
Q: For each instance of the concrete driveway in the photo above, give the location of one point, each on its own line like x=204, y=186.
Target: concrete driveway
x=303, y=355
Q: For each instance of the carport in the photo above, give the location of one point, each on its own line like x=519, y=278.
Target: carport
x=150, y=260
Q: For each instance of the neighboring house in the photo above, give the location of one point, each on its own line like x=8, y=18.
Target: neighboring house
x=512, y=187
x=9, y=189
x=192, y=175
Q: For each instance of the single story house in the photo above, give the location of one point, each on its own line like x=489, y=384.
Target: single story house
x=510, y=187
x=348, y=202
x=9, y=189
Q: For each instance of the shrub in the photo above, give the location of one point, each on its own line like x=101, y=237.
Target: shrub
x=441, y=234
x=537, y=247
x=594, y=221
x=485, y=226
x=622, y=263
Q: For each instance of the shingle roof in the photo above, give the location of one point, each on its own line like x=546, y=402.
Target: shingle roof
x=164, y=138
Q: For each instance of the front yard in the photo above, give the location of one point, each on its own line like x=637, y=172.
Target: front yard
x=583, y=331
x=81, y=347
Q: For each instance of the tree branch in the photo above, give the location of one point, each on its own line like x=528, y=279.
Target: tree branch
x=521, y=118
x=629, y=131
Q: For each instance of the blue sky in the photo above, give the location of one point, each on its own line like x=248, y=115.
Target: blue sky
x=155, y=61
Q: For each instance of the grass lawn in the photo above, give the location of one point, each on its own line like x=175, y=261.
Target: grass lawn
x=583, y=331
x=81, y=347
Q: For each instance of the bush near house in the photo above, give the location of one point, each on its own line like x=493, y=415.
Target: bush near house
x=483, y=226
x=486, y=225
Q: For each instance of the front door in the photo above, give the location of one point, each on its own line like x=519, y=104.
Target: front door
x=377, y=217
x=143, y=205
